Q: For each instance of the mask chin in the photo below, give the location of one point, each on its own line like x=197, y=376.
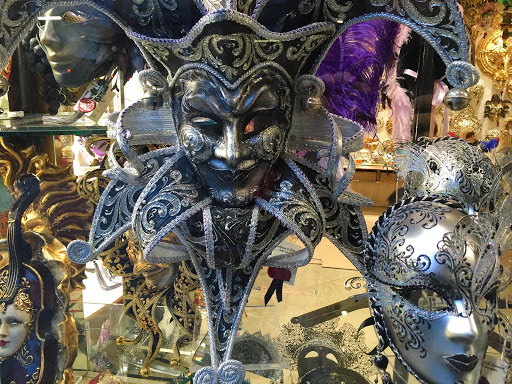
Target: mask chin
x=234, y=197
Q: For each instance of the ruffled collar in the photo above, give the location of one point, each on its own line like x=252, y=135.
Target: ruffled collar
x=168, y=197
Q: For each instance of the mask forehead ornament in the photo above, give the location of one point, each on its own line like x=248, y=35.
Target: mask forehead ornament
x=21, y=301
x=234, y=72
x=447, y=167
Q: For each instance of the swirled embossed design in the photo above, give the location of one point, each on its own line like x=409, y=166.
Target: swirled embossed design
x=344, y=223
x=355, y=283
x=268, y=143
x=116, y=209
x=198, y=146
x=438, y=10
x=232, y=54
x=205, y=375
x=230, y=231
x=164, y=199
x=334, y=11
x=117, y=203
x=396, y=258
x=247, y=6
x=151, y=11
x=294, y=203
x=231, y=372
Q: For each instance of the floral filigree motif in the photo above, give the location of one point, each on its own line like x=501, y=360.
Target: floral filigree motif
x=21, y=300
x=242, y=51
x=334, y=11
x=394, y=256
x=451, y=168
x=151, y=11
x=406, y=325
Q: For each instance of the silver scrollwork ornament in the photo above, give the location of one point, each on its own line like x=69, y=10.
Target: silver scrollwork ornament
x=79, y=250
x=155, y=84
x=311, y=89
x=461, y=74
x=457, y=99
x=153, y=101
x=205, y=375
x=231, y=372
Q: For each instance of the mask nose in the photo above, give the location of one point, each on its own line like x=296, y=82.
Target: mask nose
x=4, y=329
x=49, y=37
x=233, y=150
x=463, y=328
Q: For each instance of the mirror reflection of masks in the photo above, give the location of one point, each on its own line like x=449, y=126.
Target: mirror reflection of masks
x=81, y=44
x=433, y=282
x=233, y=136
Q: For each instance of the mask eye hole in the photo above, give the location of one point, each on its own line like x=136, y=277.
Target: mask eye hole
x=433, y=167
x=483, y=305
x=258, y=123
x=426, y=299
x=207, y=125
x=487, y=302
x=74, y=17
x=249, y=128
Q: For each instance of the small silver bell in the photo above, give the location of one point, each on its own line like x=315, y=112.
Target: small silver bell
x=457, y=99
x=311, y=104
x=4, y=85
x=153, y=101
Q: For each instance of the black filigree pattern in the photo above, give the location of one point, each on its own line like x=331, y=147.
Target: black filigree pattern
x=398, y=259
x=407, y=326
x=449, y=168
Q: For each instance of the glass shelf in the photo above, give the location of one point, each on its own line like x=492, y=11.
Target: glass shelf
x=44, y=125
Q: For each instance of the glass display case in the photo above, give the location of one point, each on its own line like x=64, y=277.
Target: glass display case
x=206, y=171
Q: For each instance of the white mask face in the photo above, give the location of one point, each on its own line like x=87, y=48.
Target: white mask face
x=14, y=328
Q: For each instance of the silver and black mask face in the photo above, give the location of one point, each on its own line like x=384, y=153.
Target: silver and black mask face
x=434, y=283
x=233, y=136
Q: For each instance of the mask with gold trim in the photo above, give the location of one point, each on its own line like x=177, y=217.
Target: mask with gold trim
x=46, y=226
x=30, y=346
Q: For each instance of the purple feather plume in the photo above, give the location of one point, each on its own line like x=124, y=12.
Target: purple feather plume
x=353, y=70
